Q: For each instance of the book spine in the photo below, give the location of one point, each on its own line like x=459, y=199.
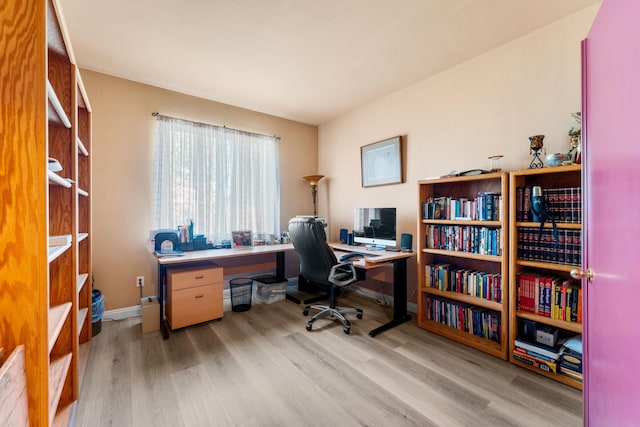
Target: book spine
x=579, y=318
x=536, y=363
x=519, y=203
x=526, y=206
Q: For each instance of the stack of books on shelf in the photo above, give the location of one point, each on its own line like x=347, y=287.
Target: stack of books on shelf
x=486, y=207
x=538, y=345
x=565, y=204
x=446, y=277
x=549, y=296
x=571, y=358
x=537, y=355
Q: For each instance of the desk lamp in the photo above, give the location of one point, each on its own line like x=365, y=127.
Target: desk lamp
x=313, y=181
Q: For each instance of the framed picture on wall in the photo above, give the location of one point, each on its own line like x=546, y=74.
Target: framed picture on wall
x=382, y=162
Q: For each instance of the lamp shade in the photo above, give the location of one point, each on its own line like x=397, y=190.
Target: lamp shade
x=313, y=179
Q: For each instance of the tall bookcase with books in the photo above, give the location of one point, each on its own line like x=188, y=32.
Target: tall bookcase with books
x=545, y=303
x=45, y=267
x=463, y=260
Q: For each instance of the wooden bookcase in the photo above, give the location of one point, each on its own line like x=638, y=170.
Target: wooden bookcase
x=563, y=181
x=489, y=234
x=45, y=267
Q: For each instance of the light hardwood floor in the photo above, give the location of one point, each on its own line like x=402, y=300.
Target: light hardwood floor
x=262, y=368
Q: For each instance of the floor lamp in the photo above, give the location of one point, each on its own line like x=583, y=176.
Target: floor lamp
x=313, y=181
x=302, y=284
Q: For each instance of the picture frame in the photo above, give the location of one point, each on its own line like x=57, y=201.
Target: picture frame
x=382, y=162
x=241, y=238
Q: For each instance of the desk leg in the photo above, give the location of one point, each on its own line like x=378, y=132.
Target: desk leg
x=292, y=298
x=164, y=326
x=400, y=314
x=280, y=267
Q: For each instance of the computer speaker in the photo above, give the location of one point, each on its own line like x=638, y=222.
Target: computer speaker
x=343, y=235
x=406, y=242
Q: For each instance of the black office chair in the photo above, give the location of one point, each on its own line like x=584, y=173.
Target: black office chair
x=319, y=266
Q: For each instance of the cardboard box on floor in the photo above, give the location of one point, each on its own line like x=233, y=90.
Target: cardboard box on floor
x=150, y=314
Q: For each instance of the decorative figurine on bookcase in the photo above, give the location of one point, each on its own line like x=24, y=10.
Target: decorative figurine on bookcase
x=535, y=147
x=574, y=153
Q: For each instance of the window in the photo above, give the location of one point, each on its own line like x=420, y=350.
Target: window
x=224, y=179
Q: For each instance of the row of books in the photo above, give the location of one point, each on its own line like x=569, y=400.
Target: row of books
x=446, y=277
x=465, y=238
x=549, y=296
x=548, y=245
x=565, y=204
x=478, y=321
x=486, y=207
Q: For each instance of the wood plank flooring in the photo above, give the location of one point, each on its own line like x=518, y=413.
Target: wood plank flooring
x=262, y=368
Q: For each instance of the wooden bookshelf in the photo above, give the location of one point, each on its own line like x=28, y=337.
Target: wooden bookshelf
x=493, y=264
x=45, y=304
x=561, y=177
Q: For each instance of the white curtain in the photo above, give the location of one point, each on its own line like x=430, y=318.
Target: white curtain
x=223, y=179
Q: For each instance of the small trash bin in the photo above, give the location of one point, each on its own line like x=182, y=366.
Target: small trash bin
x=241, y=290
x=97, y=309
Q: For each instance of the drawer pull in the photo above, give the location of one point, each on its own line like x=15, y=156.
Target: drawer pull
x=200, y=277
x=199, y=296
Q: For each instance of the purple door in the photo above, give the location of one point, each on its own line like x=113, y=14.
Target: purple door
x=611, y=175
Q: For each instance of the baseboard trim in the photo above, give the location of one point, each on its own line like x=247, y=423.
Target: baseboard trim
x=122, y=313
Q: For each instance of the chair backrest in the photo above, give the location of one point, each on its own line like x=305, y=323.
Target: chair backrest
x=310, y=241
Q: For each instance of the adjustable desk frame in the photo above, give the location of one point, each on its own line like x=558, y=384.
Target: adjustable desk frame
x=400, y=314
x=398, y=259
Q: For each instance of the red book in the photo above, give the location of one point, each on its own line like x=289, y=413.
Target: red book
x=579, y=305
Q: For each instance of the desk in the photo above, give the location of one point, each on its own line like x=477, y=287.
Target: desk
x=192, y=257
x=378, y=258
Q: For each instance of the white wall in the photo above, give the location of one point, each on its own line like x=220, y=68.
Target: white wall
x=488, y=105
x=122, y=155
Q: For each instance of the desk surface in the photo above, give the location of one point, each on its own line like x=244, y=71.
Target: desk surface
x=377, y=257
x=212, y=254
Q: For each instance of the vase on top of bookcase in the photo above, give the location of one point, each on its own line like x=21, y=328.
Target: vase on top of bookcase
x=536, y=143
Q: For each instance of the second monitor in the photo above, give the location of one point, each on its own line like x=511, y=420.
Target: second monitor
x=375, y=227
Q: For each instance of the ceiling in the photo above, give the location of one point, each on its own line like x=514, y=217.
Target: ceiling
x=304, y=60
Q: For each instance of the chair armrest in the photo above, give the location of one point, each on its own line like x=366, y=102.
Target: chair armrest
x=343, y=274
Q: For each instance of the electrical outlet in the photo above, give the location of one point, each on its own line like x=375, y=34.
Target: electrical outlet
x=139, y=281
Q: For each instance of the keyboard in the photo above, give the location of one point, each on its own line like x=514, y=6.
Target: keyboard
x=351, y=255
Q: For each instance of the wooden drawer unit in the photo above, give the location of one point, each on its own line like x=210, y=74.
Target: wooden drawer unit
x=194, y=295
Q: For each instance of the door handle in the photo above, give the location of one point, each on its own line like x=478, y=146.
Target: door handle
x=199, y=296
x=578, y=274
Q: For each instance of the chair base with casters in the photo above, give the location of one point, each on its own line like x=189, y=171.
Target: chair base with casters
x=334, y=313
x=341, y=275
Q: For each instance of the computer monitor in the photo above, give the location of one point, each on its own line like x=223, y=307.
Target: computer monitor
x=375, y=226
